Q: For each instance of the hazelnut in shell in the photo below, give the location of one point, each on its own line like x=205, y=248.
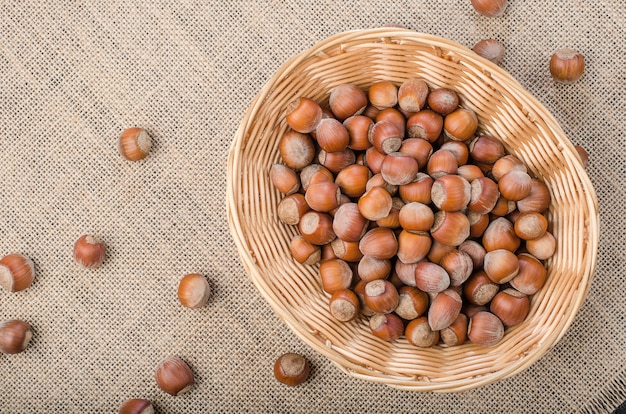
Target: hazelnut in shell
x=174, y=376
x=419, y=333
x=347, y=100
x=15, y=335
x=17, y=272
x=136, y=406
x=194, y=291
x=134, y=144
x=291, y=369
x=89, y=251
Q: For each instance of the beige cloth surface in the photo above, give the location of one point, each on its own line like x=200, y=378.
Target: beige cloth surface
x=74, y=74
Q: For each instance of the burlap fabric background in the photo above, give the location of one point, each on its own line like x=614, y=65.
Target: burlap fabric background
x=73, y=75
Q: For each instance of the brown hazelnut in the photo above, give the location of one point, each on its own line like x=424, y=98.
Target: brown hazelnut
x=379, y=243
x=412, y=95
x=532, y=274
x=450, y=227
x=331, y=135
x=418, y=148
x=538, y=199
x=511, y=306
x=399, y=169
x=370, y=268
x=353, y=179
x=347, y=100
x=441, y=162
x=323, y=196
x=17, y=272
x=284, y=179
x=490, y=49
x=336, y=275
x=543, y=247
x=15, y=335
x=89, y=251
x=317, y=228
x=456, y=333
x=359, y=129
x=344, y=305
x=459, y=149
x=501, y=265
x=419, y=333
x=412, y=303
x=431, y=278
x=413, y=247
x=425, y=124
x=461, y=124
x=388, y=327
x=381, y=296
x=459, y=266
x=303, y=115
x=479, y=289
x=567, y=65
x=296, y=149
x=417, y=190
x=383, y=94
x=450, y=193
x=194, y=291
x=486, y=149
x=507, y=164
x=291, y=208
x=515, y=185
x=134, y=144
x=416, y=217
x=490, y=8
x=136, y=406
x=386, y=137
x=345, y=250
x=291, y=369
x=500, y=234
x=375, y=204
x=483, y=195
x=530, y=226
x=444, y=309
x=336, y=161
x=303, y=251
x=443, y=100
x=174, y=376
x=485, y=329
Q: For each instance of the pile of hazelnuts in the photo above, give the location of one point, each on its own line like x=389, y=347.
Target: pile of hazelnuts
x=417, y=220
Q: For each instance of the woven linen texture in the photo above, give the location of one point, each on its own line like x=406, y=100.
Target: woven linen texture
x=74, y=75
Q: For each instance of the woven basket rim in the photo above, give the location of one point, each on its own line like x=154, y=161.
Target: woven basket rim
x=310, y=337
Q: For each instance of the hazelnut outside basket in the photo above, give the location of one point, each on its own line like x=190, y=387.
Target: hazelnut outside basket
x=505, y=110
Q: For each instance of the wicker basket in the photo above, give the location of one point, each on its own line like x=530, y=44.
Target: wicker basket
x=504, y=109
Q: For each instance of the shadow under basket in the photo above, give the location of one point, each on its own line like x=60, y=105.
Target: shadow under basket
x=505, y=110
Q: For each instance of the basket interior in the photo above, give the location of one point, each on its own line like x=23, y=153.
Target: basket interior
x=505, y=110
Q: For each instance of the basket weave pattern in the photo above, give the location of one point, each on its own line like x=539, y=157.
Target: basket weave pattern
x=504, y=109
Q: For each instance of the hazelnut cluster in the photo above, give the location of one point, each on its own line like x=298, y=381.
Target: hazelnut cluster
x=416, y=219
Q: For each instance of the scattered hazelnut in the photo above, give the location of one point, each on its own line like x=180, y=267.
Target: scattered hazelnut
x=89, y=251
x=291, y=369
x=194, y=291
x=16, y=272
x=15, y=336
x=489, y=8
x=134, y=144
x=490, y=49
x=567, y=65
x=174, y=376
x=136, y=406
